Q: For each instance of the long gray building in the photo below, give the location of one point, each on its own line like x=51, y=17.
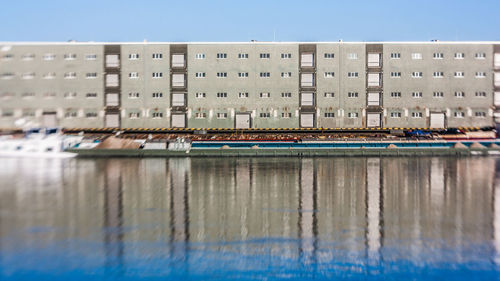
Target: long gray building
x=249, y=85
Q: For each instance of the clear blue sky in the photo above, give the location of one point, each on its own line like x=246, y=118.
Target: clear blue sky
x=226, y=20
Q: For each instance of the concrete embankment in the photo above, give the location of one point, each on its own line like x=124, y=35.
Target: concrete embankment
x=301, y=152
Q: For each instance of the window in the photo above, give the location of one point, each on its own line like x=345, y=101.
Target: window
x=395, y=74
x=286, y=95
x=243, y=95
x=28, y=75
x=49, y=95
x=242, y=56
x=459, y=74
x=307, y=79
x=437, y=94
x=242, y=74
x=157, y=56
x=91, y=95
x=70, y=75
x=178, y=61
x=28, y=95
x=352, y=115
x=91, y=114
x=265, y=74
x=70, y=56
x=286, y=115
x=329, y=55
x=307, y=99
x=157, y=115
x=395, y=55
x=306, y=60
x=286, y=56
x=222, y=95
x=416, y=95
x=28, y=57
x=480, y=114
x=416, y=114
x=459, y=114
x=329, y=95
x=200, y=56
x=133, y=56
x=373, y=99
x=222, y=56
x=200, y=115
x=7, y=57
x=459, y=56
x=395, y=94
x=265, y=55
x=70, y=95
x=49, y=57
x=200, y=95
x=329, y=74
x=7, y=113
x=157, y=95
x=352, y=74
x=374, y=80
x=480, y=94
x=438, y=74
x=221, y=115
x=133, y=75
x=352, y=56
x=459, y=94
x=90, y=57
x=416, y=56
x=221, y=74
x=395, y=114
x=265, y=95
x=133, y=95
x=8, y=75
x=178, y=99
x=178, y=80
x=91, y=75
x=286, y=74
x=200, y=74
x=438, y=55
x=352, y=94
x=480, y=56
x=480, y=74
x=416, y=74
x=329, y=115
x=134, y=115
x=28, y=113
x=70, y=114
x=50, y=75
x=265, y=115
x=157, y=74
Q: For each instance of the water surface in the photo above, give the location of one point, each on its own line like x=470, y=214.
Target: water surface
x=250, y=219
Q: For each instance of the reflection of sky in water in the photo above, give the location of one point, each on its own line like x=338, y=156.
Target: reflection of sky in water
x=260, y=218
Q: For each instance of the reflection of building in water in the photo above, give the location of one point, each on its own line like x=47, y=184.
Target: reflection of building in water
x=178, y=175
x=374, y=201
x=308, y=223
x=113, y=213
x=496, y=213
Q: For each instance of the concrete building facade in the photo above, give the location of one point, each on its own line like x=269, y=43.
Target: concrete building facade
x=254, y=84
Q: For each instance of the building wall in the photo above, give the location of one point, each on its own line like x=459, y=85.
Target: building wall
x=139, y=109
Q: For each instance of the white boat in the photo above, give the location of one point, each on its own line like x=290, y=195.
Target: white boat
x=39, y=144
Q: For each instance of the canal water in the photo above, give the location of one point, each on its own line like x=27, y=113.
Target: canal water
x=250, y=219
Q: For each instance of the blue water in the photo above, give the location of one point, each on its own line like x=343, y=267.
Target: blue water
x=250, y=219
